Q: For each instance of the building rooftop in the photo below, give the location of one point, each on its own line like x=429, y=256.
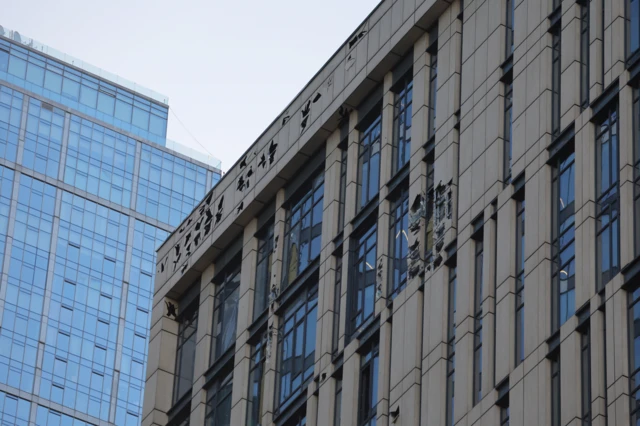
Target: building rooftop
x=68, y=59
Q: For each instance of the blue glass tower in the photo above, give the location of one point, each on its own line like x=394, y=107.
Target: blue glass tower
x=89, y=187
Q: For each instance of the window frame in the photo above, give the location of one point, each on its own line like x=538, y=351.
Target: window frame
x=297, y=211
x=477, y=318
x=509, y=27
x=343, y=187
x=631, y=54
x=507, y=132
x=556, y=398
x=585, y=16
x=451, y=345
x=357, y=289
x=187, y=321
x=397, y=225
x=307, y=302
x=402, y=114
x=337, y=300
x=367, y=385
x=636, y=167
x=369, y=152
x=218, y=395
x=609, y=198
x=634, y=333
x=585, y=374
x=264, y=263
x=226, y=286
x=556, y=80
x=519, y=293
x=564, y=165
x=256, y=371
x=433, y=82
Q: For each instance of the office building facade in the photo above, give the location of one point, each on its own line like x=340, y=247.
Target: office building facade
x=441, y=229
x=88, y=191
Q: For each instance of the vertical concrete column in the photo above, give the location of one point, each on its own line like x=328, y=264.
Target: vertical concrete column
x=617, y=356
x=344, y=292
x=384, y=206
x=352, y=173
x=585, y=210
x=614, y=34
x=626, y=158
x=434, y=349
x=350, y=379
x=163, y=340
x=326, y=403
x=570, y=366
x=326, y=285
x=569, y=63
x=312, y=407
x=598, y=368
x=447, y=136
x=405, y=349
x=203, y=345
x=242, y=360
x=505, y=291
x=270, y=368
x=465, y=317
x=537, y=267
x=596, y=49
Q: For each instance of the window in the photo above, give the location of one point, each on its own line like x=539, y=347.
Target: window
x=225, y=315
x=633, y=26
x=368, y=390
x=584, y=53
x=399, y=243
x=433, y=81
x=634, y=354
x=186, y=352
x=556, y=72
x=477, y=321
x=364, y=279
x=429, y=214
x=636, y=153
x=256, y=394
x=304, y=229
x=263, y=271
x=504, y=416
x=402, y=123
x=337, y=295
x=451, y=345
x=509, y=27
x=43, y=138
x=10, y=117
x=555, y=390
x=563, y=241
x=369, y=162
x=508, y=131
x=520, y=282
x=337, y=413
x=297, y=347
x=219, y=403
x=585, y=375
x=343, y=188
x=607, y=199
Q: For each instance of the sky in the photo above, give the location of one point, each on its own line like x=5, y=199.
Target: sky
x=228, y=67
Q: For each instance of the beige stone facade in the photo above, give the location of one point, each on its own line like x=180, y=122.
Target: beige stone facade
x=527, y=351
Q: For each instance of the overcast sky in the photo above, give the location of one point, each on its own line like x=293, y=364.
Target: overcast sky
x=229, y=67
